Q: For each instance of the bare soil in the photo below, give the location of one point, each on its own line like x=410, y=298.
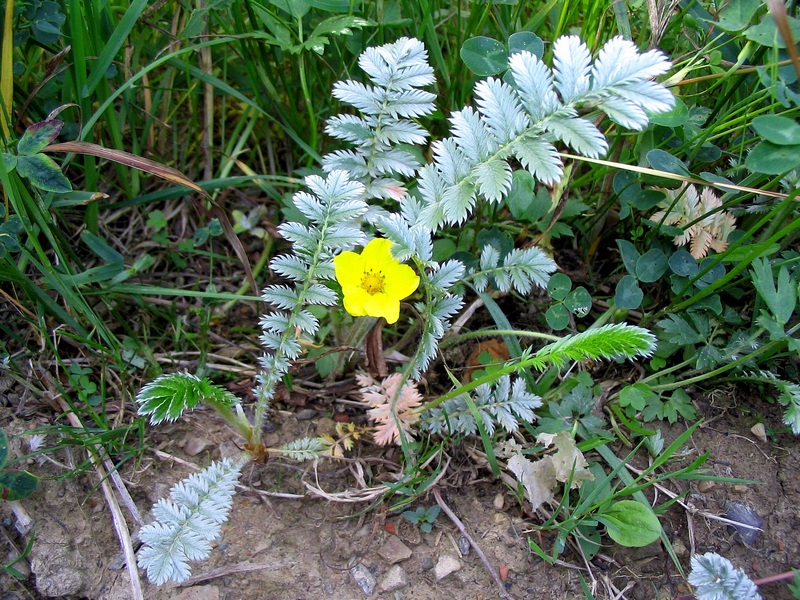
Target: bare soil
x=285, y=541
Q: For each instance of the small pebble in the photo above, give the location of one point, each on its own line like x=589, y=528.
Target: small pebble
x=744, y=515
x=306, y=414
x=427, y=564
x=394, y=579
x=759, y=431
x=394, y=551
x=364, y=579
x=706, y=485
x=196, y=445
x=740, y=488
x=499, y=502
x=447, y=565
x=463, y=546
x=680, y=548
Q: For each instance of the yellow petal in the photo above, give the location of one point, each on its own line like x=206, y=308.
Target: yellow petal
x=376, y=255
x=383, y=305
x=349, y=269
x=401, y=281
x=354, y=301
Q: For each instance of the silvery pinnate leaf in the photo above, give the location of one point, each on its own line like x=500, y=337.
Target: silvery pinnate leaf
x=346, y=160
x=395, y=161
x=322, y=295
x=356, y=94
x=499, y=105
x=395, y=228
x=280, y=296
x=187, y=522
x=346, y=210
x=298, y=234
x=336, y=187
x=458, y=201
x=619, y=63
x=624, y=112
x=383, y=187
x=447, y=275
x=490, y=257
x=423, y=243
x=275, y=322
x=306, y=322
x=578, y=133
x=289, y=266
x=410, y=103
x=493, y=178
x=402, y=64
x=402, y=132
x=472, y=136
x=343, y=236
x=534, y=80
x=571, y=66
x=539, y=157
x=350, y=128
x=716, y=578
x=652, y=96
x=310, y=206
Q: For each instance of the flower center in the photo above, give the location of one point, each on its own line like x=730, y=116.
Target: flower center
x=372, y=282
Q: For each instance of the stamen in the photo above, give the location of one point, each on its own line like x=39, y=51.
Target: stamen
x=372, y=283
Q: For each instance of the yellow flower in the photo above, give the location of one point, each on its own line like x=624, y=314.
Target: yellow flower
x=373, y=282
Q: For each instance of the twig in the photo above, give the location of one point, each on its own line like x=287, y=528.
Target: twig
x=457, y=522
x=117, y=518
x=231, y=569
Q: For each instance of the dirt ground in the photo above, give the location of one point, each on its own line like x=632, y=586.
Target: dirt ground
x=284, y=541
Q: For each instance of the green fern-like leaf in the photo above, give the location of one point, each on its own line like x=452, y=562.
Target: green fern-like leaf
x=619, y=340
x=168, y=396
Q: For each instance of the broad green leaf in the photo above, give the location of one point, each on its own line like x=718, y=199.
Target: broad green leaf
x=628, y=294
x=771, y=159
x=296, y=8
x=781, y=300
x=38, y=136
x=680, y=332
x=525, y=41
x=579, y=302
x=16, y=485
x=676, y=117
x=778, y=130
x=631, y=523
x=737, y=14
x=651, y=265
x=282, y=34
x=557, y=317
x=9, y=161
x=559, y=286
x=683, y=263
x=9, y=236
x=484, y=56
x=664, y=161
x=636, y=396
x=340, y=6
x=341, y=25
x=630, y=255
x=766, y=32
x=43, y=173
